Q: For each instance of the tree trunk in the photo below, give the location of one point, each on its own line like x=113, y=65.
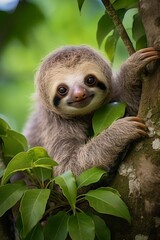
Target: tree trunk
x=138, y=179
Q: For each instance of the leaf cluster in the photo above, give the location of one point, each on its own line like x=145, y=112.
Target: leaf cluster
x=11, y=141
x=17, y=24
x=53, y=214
x=107, y=32
x=53, y=207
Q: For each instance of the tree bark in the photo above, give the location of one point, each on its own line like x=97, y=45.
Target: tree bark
x=138, y=179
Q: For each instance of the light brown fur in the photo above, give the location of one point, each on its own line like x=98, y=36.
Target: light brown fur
x=65, y=136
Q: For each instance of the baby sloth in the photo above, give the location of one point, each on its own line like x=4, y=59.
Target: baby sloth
x=71, y=84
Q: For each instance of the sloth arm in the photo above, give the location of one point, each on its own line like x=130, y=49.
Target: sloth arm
x=67, y=142
x=127, y=83
x=101, y=151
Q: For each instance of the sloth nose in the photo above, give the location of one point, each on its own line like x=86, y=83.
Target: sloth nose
x=79, y=93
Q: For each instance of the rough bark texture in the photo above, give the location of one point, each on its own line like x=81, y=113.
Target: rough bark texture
x=138, y=179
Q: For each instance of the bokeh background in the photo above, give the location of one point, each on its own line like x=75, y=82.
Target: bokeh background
x=30, y=29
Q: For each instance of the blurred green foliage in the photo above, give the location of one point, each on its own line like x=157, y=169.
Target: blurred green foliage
x=26, y=35
x=30, y=32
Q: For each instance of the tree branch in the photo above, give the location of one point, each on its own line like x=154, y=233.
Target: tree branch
x=119, y=26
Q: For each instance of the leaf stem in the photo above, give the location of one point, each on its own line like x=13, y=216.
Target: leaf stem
x=31, y=176
x=80, y=197
x=53, y=208
x=119, y=26
x=50, y=182
x=80, y=210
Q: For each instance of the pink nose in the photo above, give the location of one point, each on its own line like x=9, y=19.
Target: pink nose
x=79, y=93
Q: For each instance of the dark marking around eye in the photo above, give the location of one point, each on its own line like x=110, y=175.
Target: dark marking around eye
x=101, y=85
x=56, y=101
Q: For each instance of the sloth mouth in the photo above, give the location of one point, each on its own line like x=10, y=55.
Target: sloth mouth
x=81, y=103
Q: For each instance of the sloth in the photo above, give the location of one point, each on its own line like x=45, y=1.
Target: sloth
x=71, y=84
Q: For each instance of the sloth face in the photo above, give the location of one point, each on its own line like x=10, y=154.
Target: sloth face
x=73, y=81
x=78, y=91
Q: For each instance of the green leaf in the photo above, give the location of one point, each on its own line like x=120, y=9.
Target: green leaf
x=21, y=13
x=81, y=227
x=111, y=41
x=110, y=45
x=137, y=29
x=32, y=208
x=35, y=157
x=13, y=143
x=138, y=32
x=3, y=127
x=80, y=4
x=127, y=4
x=20, y=162
x=141, y=43
x=89, y=176
x=35, y=234
x=37, y=153
x=56, y=228
x=42, y=174
x=105, y=25
x=19, y=138
x=102, y=231
x=45, y=162
x=67, y=183
x=111, y=190
x=121, y=12
x=106, y=115
x=105, y=201
x=10, y=195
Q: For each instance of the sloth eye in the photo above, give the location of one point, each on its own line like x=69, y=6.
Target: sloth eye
x=90, y=80
x=62, y=90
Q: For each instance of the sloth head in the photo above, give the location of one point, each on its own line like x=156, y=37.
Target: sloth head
x=73, y=81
